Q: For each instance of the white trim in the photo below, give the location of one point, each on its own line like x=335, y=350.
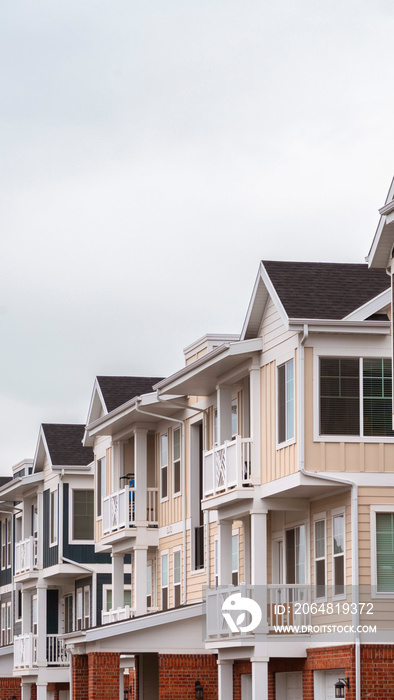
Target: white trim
x=175, y=550
x=374, y=577
x=371, y=307
x=163, y=466
x=176, y=494
x=335, y=512
x=320, y=518
x=70, y=533
x=290, y=440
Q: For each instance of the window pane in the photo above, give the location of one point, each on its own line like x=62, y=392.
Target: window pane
x=164, y=450
x=281, y=404
x=377, y=397
x=385, y=552
x=127, y=597
x=339, y=534
x=339, y=575
x=83, y=515
x=339, y=396
x=300, y=554
x=177, y=567
x=234, y=418
x=164, y=570
x=320, y=578
x=320, y=541
x=177, y=444
x=289, y=400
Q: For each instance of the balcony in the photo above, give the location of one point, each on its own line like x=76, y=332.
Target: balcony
x=25, y=651
x=117, y=614
x=228, y=466
x=119, y=509
x=283, y=605
x=26, y=555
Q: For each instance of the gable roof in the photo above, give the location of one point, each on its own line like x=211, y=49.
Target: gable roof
x=117, y=390
x=64, y=445
x=382, y=244
x=312, y=290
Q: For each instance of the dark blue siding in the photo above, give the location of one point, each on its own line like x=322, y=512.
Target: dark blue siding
x=83, y=553
x=51, y=554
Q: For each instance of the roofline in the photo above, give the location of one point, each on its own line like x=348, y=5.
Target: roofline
x=333, y=325
x=224, y=337
x=370, y=307
x=265, y=278
x=383, y=211
x=29, y=479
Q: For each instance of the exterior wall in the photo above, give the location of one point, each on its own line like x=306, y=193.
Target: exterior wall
x=327, y=505
x=9, y=688
x=366, y=498
x=170, y=510
x=178, y=674
x=272, y=329
x=80, y=677
x=101, y=449
x=103, y=676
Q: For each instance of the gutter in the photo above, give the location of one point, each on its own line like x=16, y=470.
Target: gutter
x=354, y=499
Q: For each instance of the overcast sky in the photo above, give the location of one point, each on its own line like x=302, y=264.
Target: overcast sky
x=153, y=152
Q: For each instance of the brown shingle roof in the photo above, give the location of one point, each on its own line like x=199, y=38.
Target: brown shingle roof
x=324, y=290
x=117, y=390
x=65, y=445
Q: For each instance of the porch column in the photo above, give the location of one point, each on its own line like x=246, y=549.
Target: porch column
x=140, y=579
x=41, y=628
x=117, y=580
x=41, y=691
x=25, y=691
x=258, y=553
x=140, y=471
x=40, y=518
x=117, y=466
x=224, y=413
x=26, y=612
x=255, y=422
x=259, y=679
x=225, y=679
x=246, y=526
x=225, y=528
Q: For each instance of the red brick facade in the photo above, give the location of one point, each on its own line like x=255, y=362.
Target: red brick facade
x=377, y=671
x=103, y=672
x=179, y=672
x=80, y=677
x=10, y=687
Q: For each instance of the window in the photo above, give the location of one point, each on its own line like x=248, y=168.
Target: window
x=18, y=602
x=385, y=552
x=216, y=563
x=320, y=558
x=83, y=607
x=164, y=466
x=177, y=578
x=286, y=402
x=164, y=582
x=351, y=407
x=295, y=555
x=176, y=461
x=53, y=516
x=3, y=533
x=6, y=623
x=68, y=613
x=82, y=520
x=101, y=484
x=107, y=593
x=338, y=554
x=215, y=427
x=234, y=418
x=235, y=559
x=34, y=614
x=8, y=523
x=149, y=597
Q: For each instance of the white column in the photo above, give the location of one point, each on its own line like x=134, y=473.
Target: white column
x=40, y=517
x=224, y=413
x=25, y=691
x=255, y=422
x=26, y=612
x=41, y=691
x=258, y=553
x=140, y=471
x=140, y=578
x=117, y=580
x=247, y=563
x=225, y=679
x=225, y=528
x=259, y=679
x=41, y=628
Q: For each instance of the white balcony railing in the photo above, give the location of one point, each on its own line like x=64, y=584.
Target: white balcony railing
x=119, y=509
x=228, y=466
x=26, y=555
x=25, y=651
x=117, y=614
x=283, y=605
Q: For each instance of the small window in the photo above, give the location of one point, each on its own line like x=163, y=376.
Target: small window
x=9, y=638
x=286, y=402
x=176, y=461
x=54, y=516
x=235, y=560
x=216, y=564
x=86, y=606
x=19, y=604
x=83, y=518
x=149, y=597
x=385, y=552
x=101, y=484
x=3, y=625
x=234, y=418
x=320, y=558
x=164, y=466
x=164, y=582
x=34, y=615
x=177, y=578
x=83, y=607
x=215, y=427
x=68, y=613
x=79, y=610
x=3, y=533
x=338, y=553
x=8, y=522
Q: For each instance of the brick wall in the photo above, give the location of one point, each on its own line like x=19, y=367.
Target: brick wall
x=10, y=687
x=80, y=677
x=179, y=672
x=239, y=667
x=103, y=675
x=377, y=672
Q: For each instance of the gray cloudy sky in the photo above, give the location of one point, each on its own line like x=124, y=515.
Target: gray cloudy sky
x=152, y=153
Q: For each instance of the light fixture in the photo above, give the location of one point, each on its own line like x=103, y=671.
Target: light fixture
x=199, y=691
x=340, y=687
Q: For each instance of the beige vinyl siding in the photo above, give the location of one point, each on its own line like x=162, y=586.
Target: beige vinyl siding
x=366, y=498
x=272, y=329
x=339, y=456
x=170, y=510
x=275, y=462
x=327, y=505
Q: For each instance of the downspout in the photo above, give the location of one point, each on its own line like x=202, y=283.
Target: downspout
x=176, y=404
x=354, y=501
x=182, y=424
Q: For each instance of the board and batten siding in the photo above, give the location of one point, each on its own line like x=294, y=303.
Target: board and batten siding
x=272, y=329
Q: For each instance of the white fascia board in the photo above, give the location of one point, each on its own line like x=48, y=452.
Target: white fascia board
x=41, y=447
x=263, y=275
x=125, y=409
x=96, y=394
x=388, y=208
x=340, y=326
x=24, y=482
x=367, y=479
x=371, y=307
x=145, y=622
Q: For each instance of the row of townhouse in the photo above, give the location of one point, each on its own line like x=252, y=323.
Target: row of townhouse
x=228, y=531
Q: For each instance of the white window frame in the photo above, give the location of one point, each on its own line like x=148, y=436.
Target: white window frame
x=163, y=469
x=101, y=485
x=288, y=440
x=294, y=526
x=53, y=517
x=72, y=598
x=374, y=509
x=177, y=550
x=78, y=595
x=34, y=616
x=346, y=353
x=215, y=427
x=320, y=518
x=336, y=512
x=176, y=461
x=235, y=538
x=216, y=560
x=234, y=404
x=107, y=588
x=3, y=544
x=18, y=608
x=72, y=540
x=150, y=589
x=164, y=555
x=9, y=541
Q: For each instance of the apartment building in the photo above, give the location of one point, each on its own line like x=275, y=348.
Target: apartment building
x=258, y=477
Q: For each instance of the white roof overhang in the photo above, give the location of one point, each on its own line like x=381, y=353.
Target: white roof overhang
x=382, y=244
